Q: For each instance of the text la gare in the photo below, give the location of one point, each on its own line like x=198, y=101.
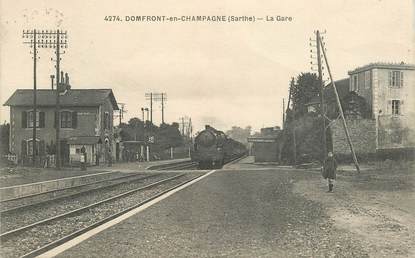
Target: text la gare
x=279, y=18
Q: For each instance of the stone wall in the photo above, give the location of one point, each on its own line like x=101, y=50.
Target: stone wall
x=362, y=132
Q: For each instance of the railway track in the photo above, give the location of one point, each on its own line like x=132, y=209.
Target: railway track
x=191, y=164
x=33, y=239
x=28, y=214
x=180, y=166
x=23, y=202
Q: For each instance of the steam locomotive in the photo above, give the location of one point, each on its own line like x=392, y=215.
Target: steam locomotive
x=213, y=149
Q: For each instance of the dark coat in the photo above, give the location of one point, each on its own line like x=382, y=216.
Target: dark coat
x=329, y=168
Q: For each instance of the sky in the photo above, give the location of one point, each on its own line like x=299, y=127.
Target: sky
x=223, y=74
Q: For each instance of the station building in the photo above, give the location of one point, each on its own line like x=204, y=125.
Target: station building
x=86, y=123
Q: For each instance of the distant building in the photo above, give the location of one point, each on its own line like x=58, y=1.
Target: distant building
x=86, y=122
x=264, y=146
x=389, y=90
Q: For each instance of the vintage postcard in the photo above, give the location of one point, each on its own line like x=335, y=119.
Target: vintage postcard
x=207, y=128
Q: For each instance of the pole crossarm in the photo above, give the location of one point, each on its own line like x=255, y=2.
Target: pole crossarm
x=46, y=38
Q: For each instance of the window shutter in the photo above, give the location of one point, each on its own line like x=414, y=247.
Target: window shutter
x=24, y=119
x=42, y=148
x=401, y=79
x=105, y=120
x=24, y=148
x=74, y=119
x=402, y=107
x=41, y=119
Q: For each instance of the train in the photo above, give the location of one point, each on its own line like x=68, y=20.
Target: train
x=213, y=148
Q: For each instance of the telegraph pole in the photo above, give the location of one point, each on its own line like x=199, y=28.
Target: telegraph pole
x=320, y=79
x=58, y=124
x=349, y=141
x=162, y=108
x=33, y=43
x=283, y=112
x=49, y=39
x=151, y=108
x=157, y=97
x=149, y=96
x=122, y=111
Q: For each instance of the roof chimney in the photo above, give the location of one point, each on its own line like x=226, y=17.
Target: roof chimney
x=52, y=77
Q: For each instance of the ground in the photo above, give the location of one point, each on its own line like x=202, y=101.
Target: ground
x=377, y=206
x=250, y=211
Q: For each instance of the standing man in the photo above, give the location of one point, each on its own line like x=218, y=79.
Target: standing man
x=329, y=170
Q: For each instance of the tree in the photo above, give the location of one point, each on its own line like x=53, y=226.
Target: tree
x=305, y=88
x=169, y=136
x=165, y=136
x=239, y=134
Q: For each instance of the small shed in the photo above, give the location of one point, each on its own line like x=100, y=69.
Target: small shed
x=264, y=148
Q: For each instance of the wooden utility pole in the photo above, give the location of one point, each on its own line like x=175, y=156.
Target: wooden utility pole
x=162, y=108
x=320, y=79
x=34, y=97
x=283, y=112
x=58, y=124
x=45, y=39
x=151, y=108
x=349, y=141
x=34, y=41
x=122, y=111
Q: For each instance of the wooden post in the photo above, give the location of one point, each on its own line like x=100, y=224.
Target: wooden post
x=320, y=79
x=34, y=98
x=349, y=141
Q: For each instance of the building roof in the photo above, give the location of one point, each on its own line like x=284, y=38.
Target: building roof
x=342, y=87
x=72, y=97
x=381, y=65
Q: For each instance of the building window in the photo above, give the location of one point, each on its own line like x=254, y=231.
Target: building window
x=395, y=79
x=355, y=83
x=66, y=119
x=30, y=119
x=367, y=80
x=396, y=107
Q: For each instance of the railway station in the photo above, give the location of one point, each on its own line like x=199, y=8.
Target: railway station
x=201, y=129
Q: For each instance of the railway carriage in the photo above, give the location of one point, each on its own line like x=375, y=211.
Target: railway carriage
x=212, y=148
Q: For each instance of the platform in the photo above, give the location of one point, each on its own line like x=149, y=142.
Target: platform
x=27, y=181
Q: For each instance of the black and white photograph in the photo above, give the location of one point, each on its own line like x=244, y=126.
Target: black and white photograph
x=207, y=128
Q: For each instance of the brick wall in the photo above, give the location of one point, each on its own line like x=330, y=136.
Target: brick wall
x=362, y=132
